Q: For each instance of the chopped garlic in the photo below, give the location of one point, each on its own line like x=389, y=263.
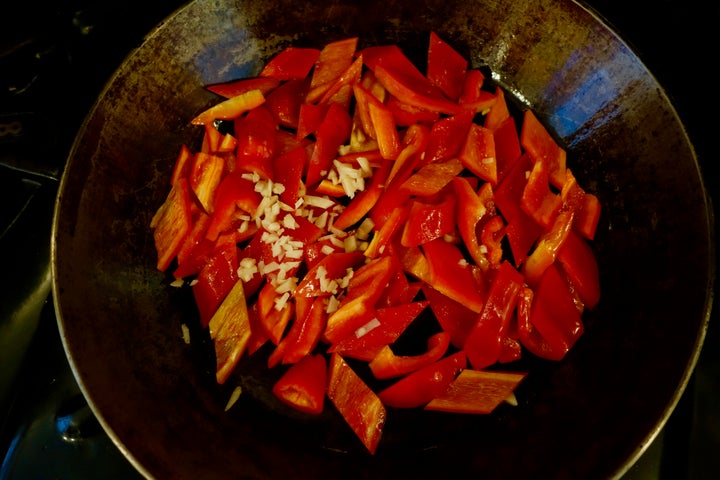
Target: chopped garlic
x=234, y=396
x=185, y=333
x=372, y=324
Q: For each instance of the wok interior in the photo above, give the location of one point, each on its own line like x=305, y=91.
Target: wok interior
x=587, y=416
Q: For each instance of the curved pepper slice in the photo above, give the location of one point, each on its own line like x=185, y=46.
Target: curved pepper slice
x=421, y=386
x=388, y=365
x=303, y=385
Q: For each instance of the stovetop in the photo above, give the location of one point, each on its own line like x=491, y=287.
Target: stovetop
x=55, y=57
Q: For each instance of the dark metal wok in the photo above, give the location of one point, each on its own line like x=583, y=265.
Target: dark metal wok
x=589, y=416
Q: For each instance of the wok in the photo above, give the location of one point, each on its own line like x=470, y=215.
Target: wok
x=589, y=416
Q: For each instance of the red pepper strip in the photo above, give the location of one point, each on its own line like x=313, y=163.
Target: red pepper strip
x=181, y=169
x=547, y=248
x=357, y=307
x=472, y=86
x=365, y=200
x=478, y=153
x=258, y=337
x=234, y=88
x=310, y=118
x=491, y=237
x=432, y=178
x=230, y=331
x=477, y=392
x=391, y=56
x=554, y=313
x=331, y=268
x=469, y=213
x=334, y=60
x=331, y=134
x=303, y=385
x=499, y=112
x=447, y=137
x=231, y=108
x=412, y=260
x=509, y=192
x=288, y=170
x=522, y=232
x=414, y=143
x=257, y=142
x=449, y=274
x=507, y=146
x=341, y=90
x=195, y=250
x=537, y=199
x=291, y=63
x=530, y=338
x=419, y=93
x=205, y=175
x=272, y=320
x=381, y=123
x=428, y=221
x=536, y=140
x=399, y=291
x=172, y=223
x=421, y=386
x=305, y=334
x=588, y=216
x=357, y=403
x=454, y=317
x=382, y=237
x=579, y=263
x=214, y=281
x=388, y=365
x=211, y=139
x=511, y=350
x=284, y=102
x=485, y=342
x=383, y=329
x=445, y=67
x=233, y=192
x=406, y=115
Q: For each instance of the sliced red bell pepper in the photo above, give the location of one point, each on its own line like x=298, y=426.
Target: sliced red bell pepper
x=388, y=365
x=588, y=216
x=333, y=131
x=258, y=337
x=357, y=403
x=554, y=314
x=310, y=118
x=529, y=337
x=432, y=178
x=211, y=139
x=472, y=88
x=541, y=146
x=304, y=384
x=548, y=246
x=384, y=235
x=391, y=56
x=413, y=91
x=537, y=200
x=215, y=281
x=288, y=169
x=485, y=341
x=230, y=331
x=445, y=67
x=234, y=88
x=171, y=224
x=508, y=193
x=322, y=279
x=382, y=125
x=399, y=291
x=291, y=63
x=477, y=391
x=493, y=231
x=184, y=160
x=478, y=153
x=522, y=232
x=231, y=108
x=334, y=60
x=507, y=147
x=305, y=333
x=406, y=115
x=414, y=143
x=449, y=274
x=341, y=90
x=284, y=102
x=447, y=137
x=365, y=200
x=196, y=249
x=257, y=142
x=579, y=263
x=470, y=210
x=421, y=386
x=428, y=221
x=499, y=112
x=205, y=175
x=454, y=317
x=234, y=192
x=357, y=307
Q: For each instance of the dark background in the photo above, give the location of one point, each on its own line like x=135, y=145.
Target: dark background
x=55, y=56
